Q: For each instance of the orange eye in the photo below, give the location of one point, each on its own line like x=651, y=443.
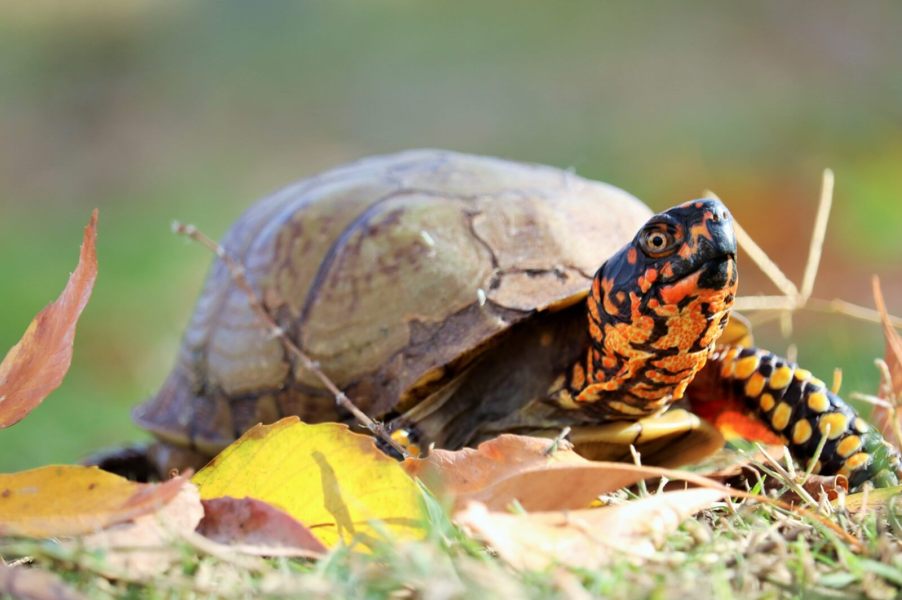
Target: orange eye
x=657, y=242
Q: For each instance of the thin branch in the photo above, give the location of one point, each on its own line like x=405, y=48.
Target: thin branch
x=893, y=354
x=764, y=262
x=834, y=306
x=818, y=235
x=750, y=303
x=852, y=310
x=793, y=298
x=871, y=399
x=556, y=443
x=760, y=257
x=780, y=473
x=237, y=272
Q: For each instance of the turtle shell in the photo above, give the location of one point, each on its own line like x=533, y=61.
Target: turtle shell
x=394, y=273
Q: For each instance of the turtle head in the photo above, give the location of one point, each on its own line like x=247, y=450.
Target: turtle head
x=676, y=254
x=657, y=306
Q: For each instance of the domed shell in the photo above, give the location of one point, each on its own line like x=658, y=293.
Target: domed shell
x=393, y=273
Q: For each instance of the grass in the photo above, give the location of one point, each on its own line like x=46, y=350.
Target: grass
x=734, y=550
x=99, y=107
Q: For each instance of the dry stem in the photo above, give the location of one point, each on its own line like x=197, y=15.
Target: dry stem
x=794, y=298
x=818, y=235
x=894, y=356
x=237, y=272
x=767, y=266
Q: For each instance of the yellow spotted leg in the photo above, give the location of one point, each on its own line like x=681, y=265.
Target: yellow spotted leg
x=800, y=409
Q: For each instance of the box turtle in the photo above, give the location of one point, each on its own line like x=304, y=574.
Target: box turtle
x=456, y=297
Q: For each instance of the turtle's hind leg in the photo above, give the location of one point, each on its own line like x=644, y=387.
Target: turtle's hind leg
x=800, y=410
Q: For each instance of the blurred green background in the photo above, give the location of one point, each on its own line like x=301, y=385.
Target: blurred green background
x=160, y=111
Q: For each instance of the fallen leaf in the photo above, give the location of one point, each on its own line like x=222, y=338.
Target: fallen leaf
x=831, y=485
x=585, y=538
x=36, y=365
x=33, y=584
x=520, y=468
x=143, y=548
x=251, y=526
x=335, y=482
x=883, y=416
x=65, y=500
x=872, y=498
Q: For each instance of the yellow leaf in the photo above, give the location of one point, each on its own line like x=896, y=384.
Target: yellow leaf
x=870, y=499
x=335, y=482
x=64, y=500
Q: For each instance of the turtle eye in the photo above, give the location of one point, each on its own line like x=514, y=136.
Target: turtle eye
x=657, y=242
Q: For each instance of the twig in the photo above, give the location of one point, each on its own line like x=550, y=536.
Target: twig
x=556, y=442
x=836, y=385
x=237, y=272
x=779, y=304
x=789, y=479
x=871, y=399
x=894, y=354
x=764, y=262
x=818, y=235
x=793, y=298
x=637, y=460
x=760, y=258
x=816, y=457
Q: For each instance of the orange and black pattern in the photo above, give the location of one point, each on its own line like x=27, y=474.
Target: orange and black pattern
x=800, y=409
x=655, y=310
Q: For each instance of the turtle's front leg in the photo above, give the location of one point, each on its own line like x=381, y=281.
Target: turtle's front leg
x=800, y=409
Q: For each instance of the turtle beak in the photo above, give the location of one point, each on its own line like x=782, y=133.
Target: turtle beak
x=720, y=227
x=717, y=241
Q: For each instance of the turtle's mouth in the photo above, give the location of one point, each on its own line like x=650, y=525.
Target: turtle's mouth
x=718, y=273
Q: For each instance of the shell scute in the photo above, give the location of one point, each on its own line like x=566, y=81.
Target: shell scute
x=394, y=272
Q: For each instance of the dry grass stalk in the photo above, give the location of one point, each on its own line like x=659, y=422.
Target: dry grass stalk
x=795, y=298
x=780, y=473
x=818, y=235
x=889, y=375
x=237, y=273
x=764, y=262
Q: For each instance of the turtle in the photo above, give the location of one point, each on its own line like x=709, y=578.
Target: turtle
x=456, y=297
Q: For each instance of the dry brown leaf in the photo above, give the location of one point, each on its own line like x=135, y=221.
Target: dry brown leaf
x=831, y=485
x=515, y=467
x=33, y=584
x=519, y=468
x=36, y=365
x=251, y=526
x=64, y=500
x=143, y=548
x=883, y=416
x=585, y=538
